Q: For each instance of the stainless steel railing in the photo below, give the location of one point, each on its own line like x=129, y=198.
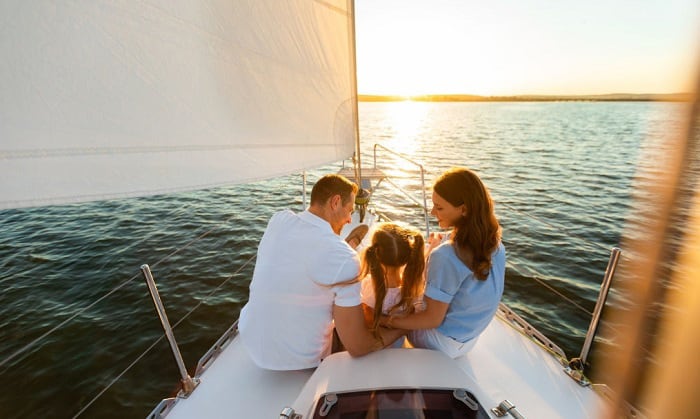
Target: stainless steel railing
x=602, y=297
x=420, y=167
x=378, y=174
x=578, y=366
x=188, y=383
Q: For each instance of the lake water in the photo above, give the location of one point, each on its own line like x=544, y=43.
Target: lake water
x=561, y=174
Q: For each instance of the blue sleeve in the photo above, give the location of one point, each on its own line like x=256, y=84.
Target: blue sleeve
x=443, y=277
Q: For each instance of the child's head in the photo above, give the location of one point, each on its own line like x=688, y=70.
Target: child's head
x=391, y=244
x=395, y=246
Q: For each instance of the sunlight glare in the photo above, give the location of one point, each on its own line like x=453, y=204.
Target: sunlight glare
x=410, y=48
x=407, y=119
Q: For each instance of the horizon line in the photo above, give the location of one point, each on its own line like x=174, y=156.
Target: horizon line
x=461, y=97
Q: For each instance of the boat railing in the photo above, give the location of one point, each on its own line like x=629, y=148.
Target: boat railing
x=216, y=349
x=421, y=169
x=574, y=367
x=530, y=331
x=371, y=179
x=582, y=360
x=188, y=383
x=164, y=406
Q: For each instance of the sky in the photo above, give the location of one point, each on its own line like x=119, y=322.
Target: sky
x=515, y=47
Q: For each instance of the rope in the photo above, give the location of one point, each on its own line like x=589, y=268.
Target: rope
x=121, y=374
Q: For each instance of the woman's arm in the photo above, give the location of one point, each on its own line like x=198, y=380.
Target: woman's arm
x=430, y=318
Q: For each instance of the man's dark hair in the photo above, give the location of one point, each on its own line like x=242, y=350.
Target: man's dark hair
x=330, y=185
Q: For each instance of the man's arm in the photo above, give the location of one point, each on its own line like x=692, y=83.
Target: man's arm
x=356, y=338
x=369, y=315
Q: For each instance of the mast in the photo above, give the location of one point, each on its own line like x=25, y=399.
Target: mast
x=353, y=64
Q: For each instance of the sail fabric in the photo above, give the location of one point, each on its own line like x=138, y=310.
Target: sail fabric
x=107, y=99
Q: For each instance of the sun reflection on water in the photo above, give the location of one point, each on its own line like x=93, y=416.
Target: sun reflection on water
x=407, y=122
x=407, y=119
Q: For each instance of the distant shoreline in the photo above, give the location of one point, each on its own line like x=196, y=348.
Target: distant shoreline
x=614, y=97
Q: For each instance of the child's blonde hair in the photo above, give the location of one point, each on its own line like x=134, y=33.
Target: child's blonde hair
x=395, y=246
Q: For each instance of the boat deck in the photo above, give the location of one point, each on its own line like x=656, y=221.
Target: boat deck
x=504, y=364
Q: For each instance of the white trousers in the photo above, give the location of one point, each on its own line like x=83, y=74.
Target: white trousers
x=432, y=339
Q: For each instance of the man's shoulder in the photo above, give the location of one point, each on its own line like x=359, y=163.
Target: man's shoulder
x=283, y=215
x=303, y=218
x=282, y=218
x=281, y=222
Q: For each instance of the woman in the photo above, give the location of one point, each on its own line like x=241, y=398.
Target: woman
x=465, y=272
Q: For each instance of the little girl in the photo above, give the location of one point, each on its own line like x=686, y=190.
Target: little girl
x=392, y=272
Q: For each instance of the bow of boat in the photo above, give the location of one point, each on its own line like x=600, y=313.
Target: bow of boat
x=505, y=364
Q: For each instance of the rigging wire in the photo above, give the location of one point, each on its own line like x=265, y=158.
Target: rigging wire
x=115, y=379
x=540, y=280
x=133, y=243
x=121, y=374
x=64, y=322
x=554, y=227
x=559, y=293
x=34, y=342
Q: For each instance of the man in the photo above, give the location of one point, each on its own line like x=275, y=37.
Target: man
x=305, y=280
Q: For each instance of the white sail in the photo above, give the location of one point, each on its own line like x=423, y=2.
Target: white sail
x=108, y=99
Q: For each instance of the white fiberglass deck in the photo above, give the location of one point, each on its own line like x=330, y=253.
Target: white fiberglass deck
x=504, y=364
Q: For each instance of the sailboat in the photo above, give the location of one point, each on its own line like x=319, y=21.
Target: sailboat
x=104, y=102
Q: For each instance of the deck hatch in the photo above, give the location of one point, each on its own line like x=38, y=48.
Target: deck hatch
x=401, y=403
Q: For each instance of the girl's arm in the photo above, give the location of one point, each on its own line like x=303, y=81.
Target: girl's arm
x=430, y=318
